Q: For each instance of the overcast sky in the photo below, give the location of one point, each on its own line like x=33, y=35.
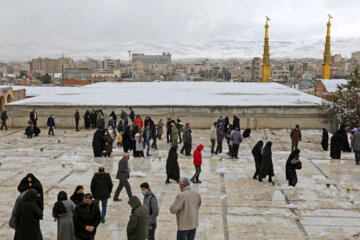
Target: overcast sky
x=96, y=28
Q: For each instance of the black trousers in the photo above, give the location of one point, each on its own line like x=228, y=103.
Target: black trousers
x=126, y=184
x=197, y=173
x=180, y=140
x=293, y=181
x=168, y=136
x=77, y=124
x=151, y=234
x=51, y=130
x=3, y=124
x=212, y=145
x=154, y=145
x=187, y=148
x=219, y=147
x=235, y=150
x=294, y=146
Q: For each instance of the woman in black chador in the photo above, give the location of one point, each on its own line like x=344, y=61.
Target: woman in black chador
x=266, y=168
x=172, y=165
x=256, y=152
x=31, y=182
x=336, y=145
x=97, y=143
x=325, y=139
x=292, y=164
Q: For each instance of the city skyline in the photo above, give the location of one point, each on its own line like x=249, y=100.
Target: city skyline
x=201, y=29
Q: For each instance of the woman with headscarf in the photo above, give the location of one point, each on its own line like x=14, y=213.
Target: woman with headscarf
x=292, y=163
x=31, y=182
x=78, y=195
x=345, y=139
x=325, y=139
x=336, y=145
x=172, y=165
x=107, y=143
x=93, y=118
x=97, y=143
x=87, y=119
x=256, y=152
x=139, y=145
x=63, y=214
x=127, y=142
x=27, y=218
x=266, y=168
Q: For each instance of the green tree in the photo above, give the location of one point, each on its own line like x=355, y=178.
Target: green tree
x=45, y=79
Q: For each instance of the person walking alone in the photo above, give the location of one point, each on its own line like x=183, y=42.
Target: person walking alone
x=123, y=174
x=77, y=119
x=4, y=118
x=295, y=136
x=51, y=124
x=197, y=164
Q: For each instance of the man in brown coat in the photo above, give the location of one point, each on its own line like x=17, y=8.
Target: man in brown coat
x=295, y=136
x=186, y=207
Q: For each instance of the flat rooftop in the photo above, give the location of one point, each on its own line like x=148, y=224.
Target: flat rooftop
x=170, y=94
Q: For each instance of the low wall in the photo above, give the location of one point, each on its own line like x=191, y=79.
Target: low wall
x=254, y=117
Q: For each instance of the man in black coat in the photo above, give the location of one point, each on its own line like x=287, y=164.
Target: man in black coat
x=86, y=219
x=101, y=122
x=34, y=118
x=4, y=117
x=97, y=143
x=77, y=119
x=27, y=217
x=101, y=187
x=123, y=175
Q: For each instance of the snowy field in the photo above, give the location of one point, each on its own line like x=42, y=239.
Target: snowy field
x=324, y=204
x=170, y=94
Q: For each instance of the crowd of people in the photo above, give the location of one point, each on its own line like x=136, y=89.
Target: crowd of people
x=79, y=216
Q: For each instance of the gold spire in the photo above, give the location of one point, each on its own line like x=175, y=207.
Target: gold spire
x=327, y=53
x=266, y=55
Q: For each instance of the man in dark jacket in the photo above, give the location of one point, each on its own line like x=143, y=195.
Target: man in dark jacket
x=101, y=122
x=123, y=175
x=77, y=119
x=34, y=118
x=101, y=187
x=150, y=201
x=86, y=219
x=187, y=140
x=295, y=136
x=137, y=228
x=51, y=124
x=4, y=117
x=236, y=139
x=124, y=117
x=219, y=138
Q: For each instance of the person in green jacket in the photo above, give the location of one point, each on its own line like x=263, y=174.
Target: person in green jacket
x=187, y=140
x=138, y=225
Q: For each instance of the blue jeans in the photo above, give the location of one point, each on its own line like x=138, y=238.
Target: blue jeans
x=104, y=206
x=186, y=235
x=147, y=143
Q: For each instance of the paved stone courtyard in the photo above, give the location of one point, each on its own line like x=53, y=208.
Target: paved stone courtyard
x=234, y=206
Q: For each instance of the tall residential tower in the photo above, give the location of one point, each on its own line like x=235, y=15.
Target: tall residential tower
x=266, y=55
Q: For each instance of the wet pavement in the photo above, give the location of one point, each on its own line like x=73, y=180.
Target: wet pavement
x=324, y=205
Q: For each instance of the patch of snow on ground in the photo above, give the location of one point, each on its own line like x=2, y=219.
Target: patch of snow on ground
x=138, y=174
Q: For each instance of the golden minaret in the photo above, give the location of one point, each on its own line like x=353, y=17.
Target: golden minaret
x=327, y=54
x=266, y=55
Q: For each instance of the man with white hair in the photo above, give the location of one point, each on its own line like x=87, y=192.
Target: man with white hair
x=123, y=175
x=186, y=207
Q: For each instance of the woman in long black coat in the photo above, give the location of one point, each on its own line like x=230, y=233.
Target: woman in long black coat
x=266, y=168
x=31, y=182
x=292, y=163
x=127, y=142
x=172, y=165
x=344, y=139
x=98, y=143
x=325, y=139
x=336, y=146
x=113, y=115
x=87, y=119
x=256, y=152
x=93, y=118
x=27, y=218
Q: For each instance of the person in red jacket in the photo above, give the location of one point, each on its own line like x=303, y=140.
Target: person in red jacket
x=138, y=121
x=197, y=163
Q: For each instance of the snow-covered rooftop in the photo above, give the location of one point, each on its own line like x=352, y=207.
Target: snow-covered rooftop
x=332, y=85
x=170, y=94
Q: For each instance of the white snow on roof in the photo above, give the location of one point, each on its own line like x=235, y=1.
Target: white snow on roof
x=170, y=94
x=332, y=85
